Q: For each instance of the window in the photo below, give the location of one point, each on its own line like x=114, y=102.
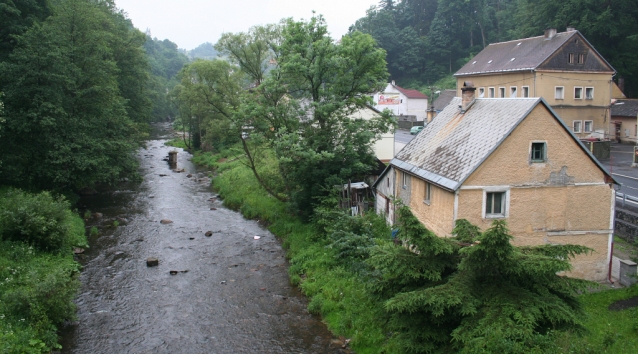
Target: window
x=572, y=58
x=501, y=92
x=481, y=92
x=427, y=193
x=495, y=204
x=525, y=91
x=559, y=93
x=589, y=93
x=491, y=92
x=589, y=125
x=581, y=58
x=538, y=152
x=513, y=91
x=388, y=181
x=405, y=180
x=578, y=126
x=578, y=93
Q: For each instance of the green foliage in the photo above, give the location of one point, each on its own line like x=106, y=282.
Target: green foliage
x=490, y=296
x=73, y=114
x=40, y=220
x=427, y=40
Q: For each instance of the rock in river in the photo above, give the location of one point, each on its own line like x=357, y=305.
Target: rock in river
x=166, y=221
x=152, y=262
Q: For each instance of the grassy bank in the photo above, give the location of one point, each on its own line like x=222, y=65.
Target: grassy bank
x=338, y=289
x=38, y=276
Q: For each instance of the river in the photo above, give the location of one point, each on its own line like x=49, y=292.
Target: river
x=229, y=292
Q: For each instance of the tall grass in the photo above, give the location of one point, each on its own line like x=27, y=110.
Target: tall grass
x=335, y=292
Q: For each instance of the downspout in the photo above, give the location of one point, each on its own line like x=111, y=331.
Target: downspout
x=456, y=208
x=611, y=233
x=534, y=75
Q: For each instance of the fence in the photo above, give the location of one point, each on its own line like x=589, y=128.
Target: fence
x=626, y=218
x=600, y=149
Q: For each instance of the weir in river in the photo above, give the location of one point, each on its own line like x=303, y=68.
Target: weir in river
x=224, y=293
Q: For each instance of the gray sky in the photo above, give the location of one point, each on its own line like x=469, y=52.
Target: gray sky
x=190, y=23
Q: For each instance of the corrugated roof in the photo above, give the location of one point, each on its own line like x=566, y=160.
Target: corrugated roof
x=625, y=108
x=453, y=145
x=521, y=54
x=449, y=149
x=410, y=93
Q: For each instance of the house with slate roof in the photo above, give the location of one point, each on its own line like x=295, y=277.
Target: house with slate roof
x=484, y=159
x=441, y=102
x=563, y=68
x=624, y=118
x=402, y=101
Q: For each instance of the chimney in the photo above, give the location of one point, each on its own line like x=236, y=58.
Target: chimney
x=393, y=84
x=550, y=33
x=570, y=28
x=467, y=95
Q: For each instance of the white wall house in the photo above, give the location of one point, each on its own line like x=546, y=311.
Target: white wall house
x=402, y=101
x=384, y=147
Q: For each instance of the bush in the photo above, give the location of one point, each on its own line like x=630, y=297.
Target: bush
x=40, y=220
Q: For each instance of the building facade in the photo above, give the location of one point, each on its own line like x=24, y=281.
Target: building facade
x=511, y=159
x=402, y=101
x=563, y=68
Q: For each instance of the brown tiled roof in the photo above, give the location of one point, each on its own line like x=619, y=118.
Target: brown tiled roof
x=625, y=108
x=410, y=93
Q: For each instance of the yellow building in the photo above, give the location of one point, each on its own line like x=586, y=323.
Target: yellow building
x=513, y=158
x=563, y=68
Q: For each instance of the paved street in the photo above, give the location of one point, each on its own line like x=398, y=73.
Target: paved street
x=401, y=138
x=620, y=166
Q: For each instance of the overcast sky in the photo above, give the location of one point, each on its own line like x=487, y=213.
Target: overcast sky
x=190, y=23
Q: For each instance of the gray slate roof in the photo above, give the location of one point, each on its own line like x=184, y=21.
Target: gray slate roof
x=528, y=55
x=625, y=108
x=449, y=149
x=444, y=99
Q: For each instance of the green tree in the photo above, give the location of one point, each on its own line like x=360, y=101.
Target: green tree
x=474, y=292
x=16, y=16
x=66, y=120
x=302, y=108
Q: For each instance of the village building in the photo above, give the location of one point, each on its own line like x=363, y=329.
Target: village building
x=384, y=147
x=444, y=99
x=624, y=121
x=484, y=159
x=402, y=102
x=563, y=68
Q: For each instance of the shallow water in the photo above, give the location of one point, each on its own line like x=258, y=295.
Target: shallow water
x=231, y=292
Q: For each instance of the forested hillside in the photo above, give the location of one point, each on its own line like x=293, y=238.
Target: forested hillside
x=427, y=40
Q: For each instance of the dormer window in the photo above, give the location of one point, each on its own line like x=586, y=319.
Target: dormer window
x=581, y=58
x=572, y=58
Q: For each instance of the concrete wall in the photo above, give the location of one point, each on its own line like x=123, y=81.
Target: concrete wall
x=563, y=200
x=543, y=84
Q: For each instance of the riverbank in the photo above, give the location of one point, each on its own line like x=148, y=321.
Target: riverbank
x=38, y=273
x=340, y=294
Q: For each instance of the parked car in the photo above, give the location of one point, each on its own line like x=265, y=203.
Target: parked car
x=416, y=129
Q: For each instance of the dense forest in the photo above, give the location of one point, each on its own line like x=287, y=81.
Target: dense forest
x=427, y=40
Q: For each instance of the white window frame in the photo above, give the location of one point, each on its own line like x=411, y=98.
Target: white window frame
x=481, y=92
x=501, y=92
x=505, y=206
x=491, y=92
x=572, y=58
x=562, y=92
x=525, y=91
x=580, y=126
x=513, y=91
x=591, y=126
x=592, y=93
x=544, y=159
x=576, y=89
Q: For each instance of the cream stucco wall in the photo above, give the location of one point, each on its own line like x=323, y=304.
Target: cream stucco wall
x=407, y=106
x=438, y=214
x=543, y=84
x=384, y=147
x=563, y=200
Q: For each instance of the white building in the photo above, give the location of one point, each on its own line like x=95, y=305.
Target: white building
x=384, y=147
x=402, y=101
